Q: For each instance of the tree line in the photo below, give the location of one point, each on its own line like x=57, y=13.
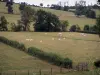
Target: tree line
x=43, y=21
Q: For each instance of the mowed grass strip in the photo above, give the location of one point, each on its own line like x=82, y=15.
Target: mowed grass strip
x=14, y=59
x=77, y=50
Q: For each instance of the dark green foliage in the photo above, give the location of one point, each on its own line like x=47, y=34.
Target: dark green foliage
x=98, y=24
x=46, y=21
x=3, y=24
x=14, y=44
x=97, y=64
x=91, y=14
x=86, y=28
x=50, y=57
x=73, y=28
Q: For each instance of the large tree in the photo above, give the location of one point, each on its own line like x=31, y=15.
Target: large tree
x=46, y=21
x=27, y=16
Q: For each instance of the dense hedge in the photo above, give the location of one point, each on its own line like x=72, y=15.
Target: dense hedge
x=50, y=57
x=14, y=44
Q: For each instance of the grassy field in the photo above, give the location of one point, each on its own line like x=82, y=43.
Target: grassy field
x=13, y=59
x=74, y=45
x=63, y=15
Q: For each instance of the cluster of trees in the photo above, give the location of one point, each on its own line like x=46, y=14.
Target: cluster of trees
x=3, y=24
x=59, y=7
x=46, y=21
x=82, y=9
x=43, y=21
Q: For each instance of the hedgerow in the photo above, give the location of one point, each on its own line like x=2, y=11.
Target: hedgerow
x=49, y=57
x=14, y=44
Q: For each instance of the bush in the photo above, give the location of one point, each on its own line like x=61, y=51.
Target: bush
x=73, y=28
x=86, y=28
x=14, y=44
x=97, y=64
x=50, y=57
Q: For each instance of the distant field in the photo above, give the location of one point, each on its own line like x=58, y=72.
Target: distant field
x=63, y=15
x=74, y=45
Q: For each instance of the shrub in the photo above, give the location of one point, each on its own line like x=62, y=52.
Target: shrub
x=97, y=64
x=50, y=57
x=14, y=44
x=73, y=28
x=86, y=28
